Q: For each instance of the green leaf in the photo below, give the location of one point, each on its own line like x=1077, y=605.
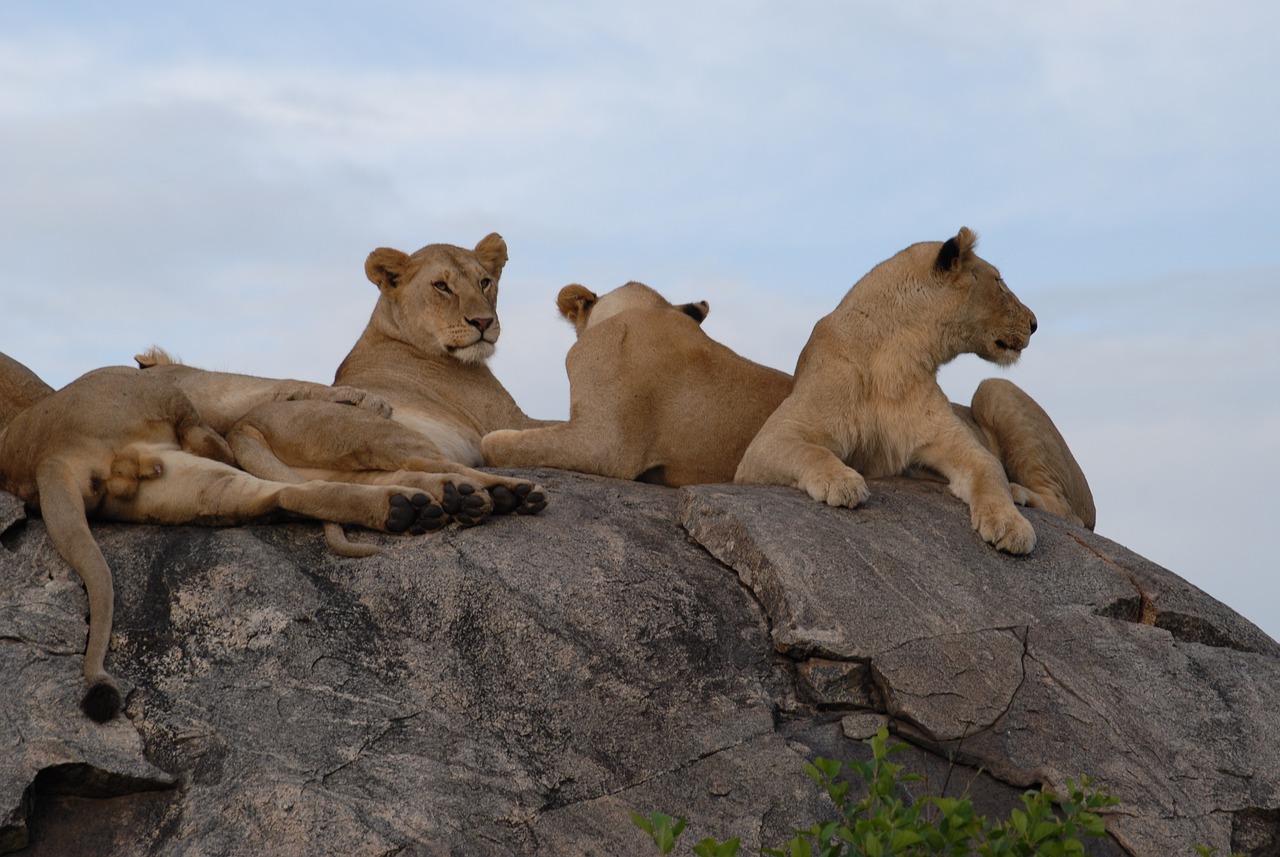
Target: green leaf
x=801, y=848
x=711, y=848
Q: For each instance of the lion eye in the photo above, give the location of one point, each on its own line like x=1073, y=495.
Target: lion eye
x=441, y=286
x=486, y=283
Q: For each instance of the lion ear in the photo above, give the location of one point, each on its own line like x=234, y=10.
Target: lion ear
x=386, y=268
x=492, y=253
x=696, y=311
x=956, y=252
x=575, y=303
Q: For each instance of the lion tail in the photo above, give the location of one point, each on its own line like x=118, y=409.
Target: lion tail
x=336, y=539
x=63, y=510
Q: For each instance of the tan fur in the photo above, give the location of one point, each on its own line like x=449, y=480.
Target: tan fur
x=422, y=356
x=866, y=401
x=652, y=397
x=20, y=388
x=223, y=398
x=425, y=348
x=126, y=444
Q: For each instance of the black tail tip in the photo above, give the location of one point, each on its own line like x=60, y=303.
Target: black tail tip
x=102, y=701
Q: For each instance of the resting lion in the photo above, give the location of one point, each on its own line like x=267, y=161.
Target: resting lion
x=231, y=402
x=426, y=347
x=866, y=396
x=423, y=353
x=652, y=397
x=124, y=444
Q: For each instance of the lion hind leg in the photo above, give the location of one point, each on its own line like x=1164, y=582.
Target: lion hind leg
x=588, y=444
x=1034, y=454
x=198, y=490
x=62, y=507
x=254, y=454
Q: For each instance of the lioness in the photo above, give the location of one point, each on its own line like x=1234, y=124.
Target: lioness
x=652, y=397
x=122, y=444
x=231, y=402
x=866, y=396
x=423, y=352
x=426, y=346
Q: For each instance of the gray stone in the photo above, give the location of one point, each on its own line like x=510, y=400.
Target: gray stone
x=521, y=687
x=1081, y=658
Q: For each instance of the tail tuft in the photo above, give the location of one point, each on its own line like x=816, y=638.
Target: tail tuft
x=102, y=701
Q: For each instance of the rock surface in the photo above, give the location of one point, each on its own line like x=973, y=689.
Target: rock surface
x=521, y=687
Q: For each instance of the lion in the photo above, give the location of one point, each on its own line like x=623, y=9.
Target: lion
x=124, y=444
x=20, y=388
x=231, y=402
x=424, y=354
x=652, y=396
x=866, y=401
x=427, y=343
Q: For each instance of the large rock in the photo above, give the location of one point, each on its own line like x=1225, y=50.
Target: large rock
x=520, y=687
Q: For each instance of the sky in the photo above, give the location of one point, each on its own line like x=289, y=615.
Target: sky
x=211, y=176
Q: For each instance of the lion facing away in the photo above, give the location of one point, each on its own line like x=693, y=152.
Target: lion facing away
x=652, y=396
x=866, y=402
x=124, y=445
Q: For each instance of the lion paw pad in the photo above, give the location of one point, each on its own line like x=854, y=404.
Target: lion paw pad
x=465, y=505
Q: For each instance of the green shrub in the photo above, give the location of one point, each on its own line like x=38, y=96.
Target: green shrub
x=883, y=824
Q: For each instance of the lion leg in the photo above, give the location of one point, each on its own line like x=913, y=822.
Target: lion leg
x=63, y=509
x=450, y=482
x=321, y=440
x=190, y=489
x=777, y=457
x=1034, y=454
x=578, y=445
x=254, y=455
x=976, y=477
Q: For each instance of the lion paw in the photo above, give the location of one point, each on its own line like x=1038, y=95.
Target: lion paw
x=465, y=505
x=525, y=498
x=1006, y=529
x=846, y=488
x=416, y=514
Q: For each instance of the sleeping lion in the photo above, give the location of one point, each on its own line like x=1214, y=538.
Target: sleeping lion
x=122, y=444
x=866, y=401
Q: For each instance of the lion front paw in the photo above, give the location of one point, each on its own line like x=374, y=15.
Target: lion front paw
x=1006, y=529
x=843, y=488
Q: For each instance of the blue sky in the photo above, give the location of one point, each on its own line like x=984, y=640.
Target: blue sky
x=210, y=177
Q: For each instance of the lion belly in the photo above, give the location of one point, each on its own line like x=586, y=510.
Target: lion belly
x=454, y=443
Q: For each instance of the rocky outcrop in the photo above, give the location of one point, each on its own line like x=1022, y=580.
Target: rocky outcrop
x=520, y=687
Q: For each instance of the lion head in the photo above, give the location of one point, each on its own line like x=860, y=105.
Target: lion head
x=583, y=308
x=442, y=298
x=983, y=315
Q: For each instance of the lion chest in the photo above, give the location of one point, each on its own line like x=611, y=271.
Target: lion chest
x=880, y=438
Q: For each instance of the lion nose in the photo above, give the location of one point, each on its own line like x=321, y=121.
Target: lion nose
x=482, y=324
x=1033, y=323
